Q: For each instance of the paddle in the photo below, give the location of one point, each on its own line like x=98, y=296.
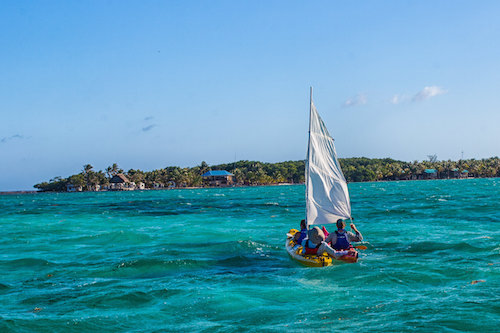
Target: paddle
x=361, y=247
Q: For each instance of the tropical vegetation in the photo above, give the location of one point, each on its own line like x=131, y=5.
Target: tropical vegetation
x=357, y=169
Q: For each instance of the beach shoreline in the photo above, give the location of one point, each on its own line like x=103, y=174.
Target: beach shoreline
x=235, y=186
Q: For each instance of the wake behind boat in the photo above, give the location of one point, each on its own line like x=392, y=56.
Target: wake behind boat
x=327, y=196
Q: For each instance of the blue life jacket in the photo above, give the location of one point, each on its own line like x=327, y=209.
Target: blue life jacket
x=303, y=235
x=342, y=241
x=311, y=250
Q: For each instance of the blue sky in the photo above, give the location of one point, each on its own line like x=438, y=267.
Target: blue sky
x=150, y=84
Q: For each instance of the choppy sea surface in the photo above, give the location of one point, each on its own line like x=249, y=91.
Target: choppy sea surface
x=213, y=260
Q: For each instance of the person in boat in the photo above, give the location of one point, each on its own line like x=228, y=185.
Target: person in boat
x=342, y=239
x=300, y=236
x=315, y=244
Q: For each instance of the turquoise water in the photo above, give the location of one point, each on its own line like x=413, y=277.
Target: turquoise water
x=214, y=260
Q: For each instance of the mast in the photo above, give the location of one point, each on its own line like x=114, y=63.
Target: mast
x=308, y=154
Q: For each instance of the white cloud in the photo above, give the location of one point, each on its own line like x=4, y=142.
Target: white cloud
x=359, y=99
x=428, y=92
x=397, y=99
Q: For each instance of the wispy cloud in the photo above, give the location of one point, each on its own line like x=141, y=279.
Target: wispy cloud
x=398, y=99
x=148, y=128
x=148, y=120
x=428, y=92
x=12, y=137
x=359, y=99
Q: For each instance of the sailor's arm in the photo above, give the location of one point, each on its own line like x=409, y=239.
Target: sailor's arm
x=357, y=237
x=324, y=247
x=332, y=238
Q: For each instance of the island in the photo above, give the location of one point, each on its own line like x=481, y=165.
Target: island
x=253, y=173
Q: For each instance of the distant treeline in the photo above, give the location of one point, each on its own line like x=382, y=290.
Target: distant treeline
x=358, y=169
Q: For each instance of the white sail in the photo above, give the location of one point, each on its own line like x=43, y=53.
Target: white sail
x=327, y=197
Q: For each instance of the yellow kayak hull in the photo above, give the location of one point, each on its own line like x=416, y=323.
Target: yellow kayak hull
x=295, y=252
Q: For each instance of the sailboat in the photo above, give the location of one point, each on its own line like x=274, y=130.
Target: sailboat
x=327, y=196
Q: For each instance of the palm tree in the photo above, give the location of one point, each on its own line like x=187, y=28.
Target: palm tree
x=87, y=175
x=77, y=180
x=239, y=175
x=136, y=176
x=204, y=167
x=87, y=168
x=440, y=169
x=109, y=170
x=151, y=178
x=113, y=170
